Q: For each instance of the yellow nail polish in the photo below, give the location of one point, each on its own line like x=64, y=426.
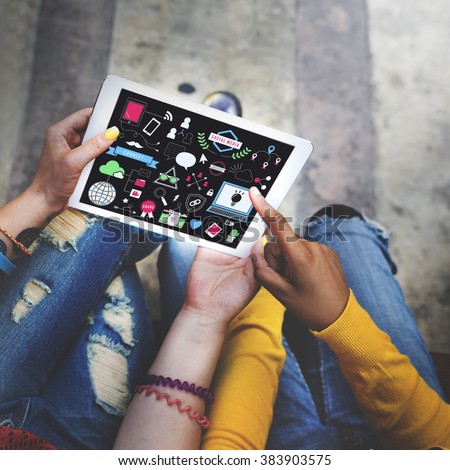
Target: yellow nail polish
x=265, y=240
x=112, y=133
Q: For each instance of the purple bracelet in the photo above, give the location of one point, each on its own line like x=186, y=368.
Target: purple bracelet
x=184, y=386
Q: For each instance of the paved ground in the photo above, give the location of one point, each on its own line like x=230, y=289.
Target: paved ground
x=365, y=80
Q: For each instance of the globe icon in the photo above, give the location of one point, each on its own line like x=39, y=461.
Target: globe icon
x=102, y=193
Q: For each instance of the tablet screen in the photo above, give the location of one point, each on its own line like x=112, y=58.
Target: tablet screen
x=181, y=170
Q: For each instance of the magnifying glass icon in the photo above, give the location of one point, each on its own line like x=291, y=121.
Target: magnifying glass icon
x=160, y=193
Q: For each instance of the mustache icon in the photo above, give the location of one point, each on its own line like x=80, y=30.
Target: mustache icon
x=132, y=143
x=135, y=139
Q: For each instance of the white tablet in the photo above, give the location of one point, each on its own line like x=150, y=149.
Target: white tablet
x=182, y=169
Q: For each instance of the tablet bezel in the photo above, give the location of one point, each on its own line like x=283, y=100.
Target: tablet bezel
x=101, y=115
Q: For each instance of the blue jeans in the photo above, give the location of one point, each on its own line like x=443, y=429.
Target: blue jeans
x=76, y=334
x=315, y=407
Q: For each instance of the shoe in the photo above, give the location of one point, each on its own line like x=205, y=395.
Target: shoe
x=224, y=101
x=335, y=211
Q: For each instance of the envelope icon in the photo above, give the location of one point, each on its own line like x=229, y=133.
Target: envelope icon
x=144, y=173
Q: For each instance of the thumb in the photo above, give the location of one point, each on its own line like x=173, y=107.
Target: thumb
x=258, y=247
x=276, y=284
x=95, y=146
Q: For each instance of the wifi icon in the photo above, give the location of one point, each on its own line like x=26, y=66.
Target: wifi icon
x=168, y=116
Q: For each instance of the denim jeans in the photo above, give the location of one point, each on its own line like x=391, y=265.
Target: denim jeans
x=75, y=331
x=315, y=407
x=76, y=337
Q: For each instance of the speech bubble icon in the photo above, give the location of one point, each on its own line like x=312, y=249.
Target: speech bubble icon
x=185, y=159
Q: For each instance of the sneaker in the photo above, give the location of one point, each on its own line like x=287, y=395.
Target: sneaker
x=335, y=211
x=224, y=101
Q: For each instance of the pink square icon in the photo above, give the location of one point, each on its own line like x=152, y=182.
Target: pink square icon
x=135, y=193
x=140, y=183
x=213, y=230
x=133, y=111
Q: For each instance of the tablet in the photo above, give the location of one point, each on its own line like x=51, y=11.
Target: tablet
x=183, y=169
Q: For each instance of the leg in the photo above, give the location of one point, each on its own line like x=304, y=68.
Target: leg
x=49, y=296
x=82, y=405
x=296, y=423
x=174, y=262
x=92, y=387
x=363, y=250
x=332, y=395
x=369, y=271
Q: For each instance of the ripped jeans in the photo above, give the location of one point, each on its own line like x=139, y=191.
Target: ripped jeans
x=76, y=335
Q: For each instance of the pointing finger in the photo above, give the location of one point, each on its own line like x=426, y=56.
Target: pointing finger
x=275, y=221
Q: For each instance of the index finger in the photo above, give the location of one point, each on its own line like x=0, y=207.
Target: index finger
x=276, y=222
x=77, y=121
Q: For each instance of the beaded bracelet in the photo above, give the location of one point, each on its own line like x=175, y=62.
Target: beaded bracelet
x=202, y=421
x=19, y=245
x=201, y=392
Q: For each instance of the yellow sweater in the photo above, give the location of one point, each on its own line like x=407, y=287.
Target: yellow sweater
x=246, y=380
x=404, y=412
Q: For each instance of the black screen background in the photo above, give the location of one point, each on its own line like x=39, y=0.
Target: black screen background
x=155, y=146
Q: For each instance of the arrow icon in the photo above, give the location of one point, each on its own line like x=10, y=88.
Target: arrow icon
x=203, y=159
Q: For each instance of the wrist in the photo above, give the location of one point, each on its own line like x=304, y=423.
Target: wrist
x=45, y=205
x=204, y=319
x=191, y=348
x=330, y=314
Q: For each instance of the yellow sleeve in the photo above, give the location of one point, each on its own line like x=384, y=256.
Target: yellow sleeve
x=403, y=410
x=246, y=379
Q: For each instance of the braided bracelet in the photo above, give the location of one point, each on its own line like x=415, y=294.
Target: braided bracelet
x=19, y=245
x=201, y=392
x=194, y=415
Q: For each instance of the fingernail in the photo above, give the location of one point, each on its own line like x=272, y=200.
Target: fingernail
x=256, y=191
x=112, y=133
x=265, y=240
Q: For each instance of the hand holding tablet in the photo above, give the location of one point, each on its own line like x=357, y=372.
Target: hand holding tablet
x=183, y=169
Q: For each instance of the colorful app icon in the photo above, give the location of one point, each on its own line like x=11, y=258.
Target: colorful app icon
x=195, y=224
x=213, y=230
x=232, y=235
x=172, y=218
x=140, y=183
x=168, y=179
x=133, y=111
x=102, y=193
x=135, y=193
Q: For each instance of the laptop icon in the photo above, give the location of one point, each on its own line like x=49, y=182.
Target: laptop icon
x=232, y=201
